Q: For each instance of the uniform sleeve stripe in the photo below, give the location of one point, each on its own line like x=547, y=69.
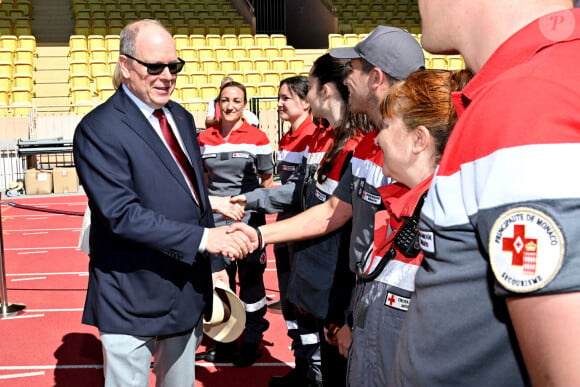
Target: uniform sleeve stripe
x=371, y=172
x=291, y=157
x=228, y=147
x=510, y=175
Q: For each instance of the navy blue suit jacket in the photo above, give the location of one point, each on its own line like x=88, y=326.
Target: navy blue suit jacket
x=145, y=275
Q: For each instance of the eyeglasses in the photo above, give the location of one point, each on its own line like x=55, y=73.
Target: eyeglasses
x=157, y=68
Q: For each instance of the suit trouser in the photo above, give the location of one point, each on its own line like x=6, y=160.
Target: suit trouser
x=128, y=358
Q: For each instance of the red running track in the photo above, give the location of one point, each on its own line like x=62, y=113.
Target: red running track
x=47, y=345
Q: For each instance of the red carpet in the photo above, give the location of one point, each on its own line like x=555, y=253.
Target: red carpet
x=47, y=345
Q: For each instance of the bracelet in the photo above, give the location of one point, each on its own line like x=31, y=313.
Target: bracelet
x=261, y=242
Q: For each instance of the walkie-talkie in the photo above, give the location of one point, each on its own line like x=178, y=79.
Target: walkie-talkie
x=407, y=238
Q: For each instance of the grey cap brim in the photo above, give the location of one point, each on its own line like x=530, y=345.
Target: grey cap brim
x=344, y=53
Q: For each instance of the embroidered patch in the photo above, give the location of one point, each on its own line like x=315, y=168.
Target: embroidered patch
x=371, y=198
x=397, y=302
x=427, y=241
x=526, y=249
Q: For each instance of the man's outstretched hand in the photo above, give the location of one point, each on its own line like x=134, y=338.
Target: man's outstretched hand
x=231, y=243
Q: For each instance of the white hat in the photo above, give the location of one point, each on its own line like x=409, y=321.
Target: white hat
x=228, y=317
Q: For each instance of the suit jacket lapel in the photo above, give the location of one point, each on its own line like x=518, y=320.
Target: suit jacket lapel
x=136, y=121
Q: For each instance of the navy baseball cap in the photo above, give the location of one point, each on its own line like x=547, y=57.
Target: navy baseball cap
x=393, y=50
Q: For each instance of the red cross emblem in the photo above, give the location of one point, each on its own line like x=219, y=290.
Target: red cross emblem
x=391, y=300
x=523, y=249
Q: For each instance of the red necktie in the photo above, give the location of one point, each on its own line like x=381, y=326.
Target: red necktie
x=178, y=153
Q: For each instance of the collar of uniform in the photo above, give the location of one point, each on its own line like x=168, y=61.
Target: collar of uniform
x=215, y=130
x=520, y=47
x=400, y=200
x=304, y=124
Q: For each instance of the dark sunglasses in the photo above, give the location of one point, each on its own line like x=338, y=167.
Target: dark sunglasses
x=157, y=68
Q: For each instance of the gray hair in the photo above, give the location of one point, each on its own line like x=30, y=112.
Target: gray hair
x=129, y=34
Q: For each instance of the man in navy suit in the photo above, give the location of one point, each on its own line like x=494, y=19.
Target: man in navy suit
x=152, y=237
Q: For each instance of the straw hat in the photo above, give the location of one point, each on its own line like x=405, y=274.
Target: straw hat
x=15, y=186
x=228, y=317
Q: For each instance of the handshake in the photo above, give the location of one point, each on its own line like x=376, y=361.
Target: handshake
x=235, y=241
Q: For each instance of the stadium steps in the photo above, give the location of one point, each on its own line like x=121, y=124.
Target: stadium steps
x=51, y=77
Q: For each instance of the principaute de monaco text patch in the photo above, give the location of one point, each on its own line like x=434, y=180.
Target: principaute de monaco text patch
x=526, y=249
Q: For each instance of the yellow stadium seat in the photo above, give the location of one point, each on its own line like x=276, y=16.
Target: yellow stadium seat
x=244, y=28
x=78, y=41
x=296, y=64
x=455, y=62
x=6, y=56
x=208, y=91
x=98, y=66
x=262, y=40
x=188, y=54
x=239, y=52
x=198, y=77
x=278, y=64
x=106, y=92
x=192, y=65
x=189, y=93
x=271, y=76
x=181, y=41
x=213, y=40
x=182, y=79
x=221, y=52
x=271, y=52
x=438, y=62
x=287, y=74
x=335, y=40
x=205, y=52
x=278, y=40
x=215, y=77
x=24, y=55
x=9, y=42
x=22, y=101
x=102, y=81
x=255, y=51
x=6, y=69
x=261, y=64
x=254, y=77
x=237, y=76
x=79, y=80
x=23, y=67
x=244, y=64
x=98, y=53
x=79, y=67
x=112, y=42
x=287, y=52
x=229, y=40
x=227, y=65
x=246, y=40
x=95, y=42
x=197, y=40
x=6, y=82
x=208, y=64
x=23, y=81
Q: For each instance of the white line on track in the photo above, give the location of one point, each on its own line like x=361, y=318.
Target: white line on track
x=43, y=248
x=28, y=279
x=35, y=233
x=55, y=310
x=32, y=252
x=100, y=366
x=47, y=274
x=24, y=316
x=24, y=375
